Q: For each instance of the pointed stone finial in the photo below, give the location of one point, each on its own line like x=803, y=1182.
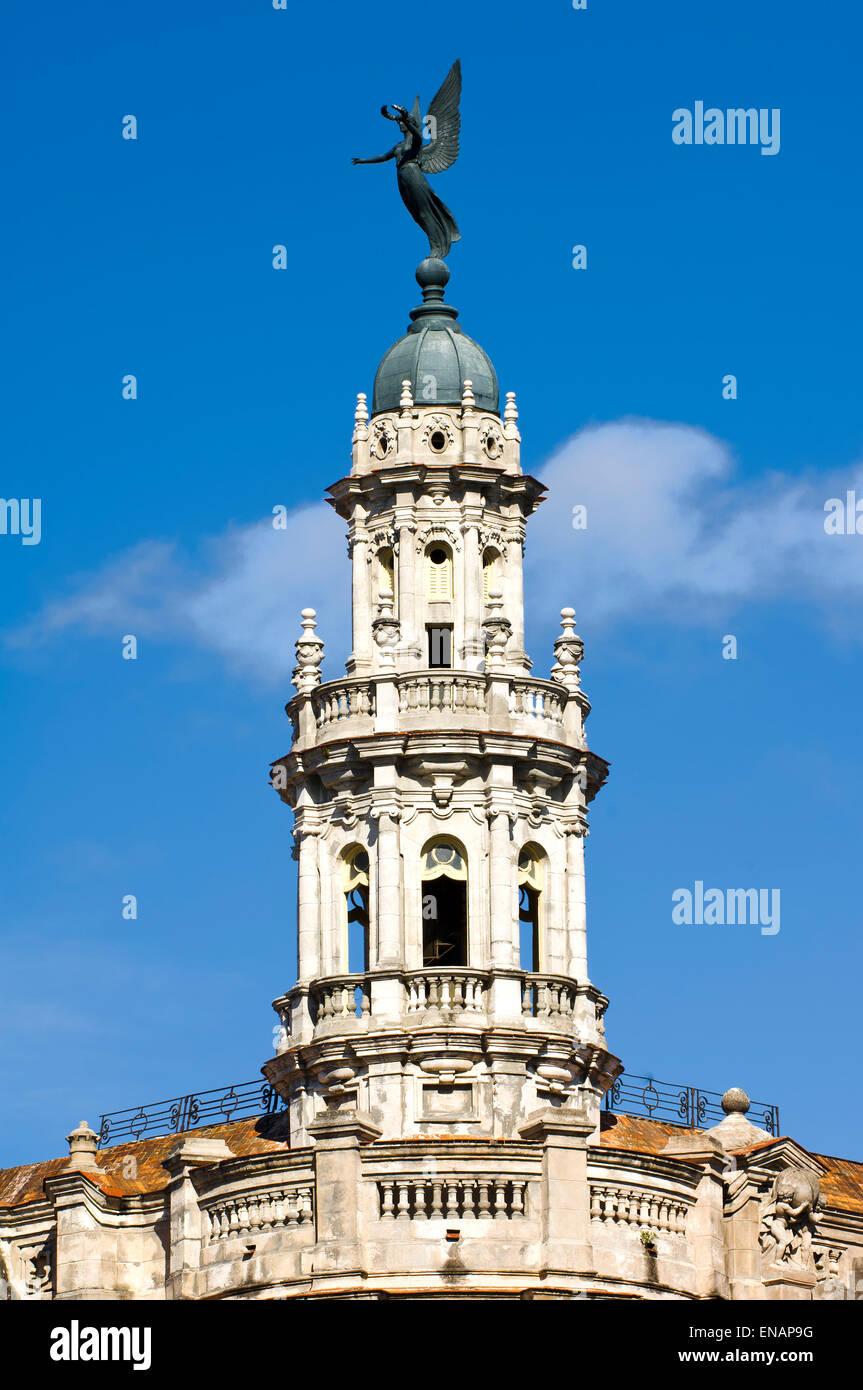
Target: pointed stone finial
x=406, y=401
x=498, y=631
x=360, y=419
x=568, y=652
x=83, y=1143
x=510, y=414
x=310, y=654
x=468, y=399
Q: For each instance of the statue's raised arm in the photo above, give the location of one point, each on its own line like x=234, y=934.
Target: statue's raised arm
x=414, y=159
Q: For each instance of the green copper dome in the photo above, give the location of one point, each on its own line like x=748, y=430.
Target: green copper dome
x=435, y=356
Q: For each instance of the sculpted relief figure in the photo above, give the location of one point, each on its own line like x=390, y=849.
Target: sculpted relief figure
x=789, y=1220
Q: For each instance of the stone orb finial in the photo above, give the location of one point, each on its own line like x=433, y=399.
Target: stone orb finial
x=735, y=1101
x=432, y=273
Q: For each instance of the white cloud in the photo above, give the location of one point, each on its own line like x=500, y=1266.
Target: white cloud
x=671, y=533
x=240, y=596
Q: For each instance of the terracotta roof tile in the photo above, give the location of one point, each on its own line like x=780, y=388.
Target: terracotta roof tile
x=25, y=1184
x=841, y=1183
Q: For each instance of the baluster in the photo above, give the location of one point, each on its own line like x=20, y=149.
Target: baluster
x=387, y=1207
x=306, y=1208
x=468, y=1198
x=403, y=1213
x=451, y=1200
x=484, y=1212
x=595, y=1205
x=436, y=1202
x=518, y=1199
x=278, y=1202
x=500, y=1201
x=420, y=1211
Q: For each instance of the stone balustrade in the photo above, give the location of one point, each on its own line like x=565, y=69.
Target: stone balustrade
x=484, y=1198
x=442, y=693
x=453, y=989
x=337, y=701
x=355, y=705
x=630, y=1206
x=340, y=996
x=548, y=996
x=268, y=1210
x=536, y=700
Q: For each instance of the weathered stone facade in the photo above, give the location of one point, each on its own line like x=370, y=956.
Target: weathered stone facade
x=443, y=1055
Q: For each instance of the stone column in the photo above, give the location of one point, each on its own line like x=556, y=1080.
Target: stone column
x=566, y=1245
x=406, y=592
x=576, y=908
x=473, y=639
x=514, y=598
x=390, y=947
x=308, y=906
x=341, y=1197
x=554, y=911
x=501, y=892
x=361, y=609
x=186, y=1218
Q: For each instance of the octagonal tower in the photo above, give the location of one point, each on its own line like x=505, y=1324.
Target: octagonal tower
x=439, y=790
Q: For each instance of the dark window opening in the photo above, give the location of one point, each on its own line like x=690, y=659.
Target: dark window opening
x=358, y=931
x=444, y=906
x=440, y=646
x=528, y=928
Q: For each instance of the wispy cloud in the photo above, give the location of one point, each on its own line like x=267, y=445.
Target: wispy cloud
x=671, y=532
x=239, y=595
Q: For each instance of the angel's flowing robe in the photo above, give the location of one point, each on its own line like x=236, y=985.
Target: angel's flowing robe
x=426, y=208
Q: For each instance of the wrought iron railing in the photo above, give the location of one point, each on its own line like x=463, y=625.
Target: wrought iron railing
x=217, y=1107
x=680, y=1105
x=630, y=1095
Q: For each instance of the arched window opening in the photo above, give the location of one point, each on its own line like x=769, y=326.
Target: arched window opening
x=386, y=572
x=438, y=573
x=490, y=572
x=530, y=910
x=356, y=917
x=444, y=904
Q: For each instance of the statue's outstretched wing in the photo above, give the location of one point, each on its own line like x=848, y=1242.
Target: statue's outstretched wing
x=443, y=109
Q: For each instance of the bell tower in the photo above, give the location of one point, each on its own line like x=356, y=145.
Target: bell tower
x=439, y=789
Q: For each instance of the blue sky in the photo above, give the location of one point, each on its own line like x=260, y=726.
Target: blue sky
x=153, y=257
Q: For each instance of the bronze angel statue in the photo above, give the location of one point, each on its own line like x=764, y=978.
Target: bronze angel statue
x=414, y=160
